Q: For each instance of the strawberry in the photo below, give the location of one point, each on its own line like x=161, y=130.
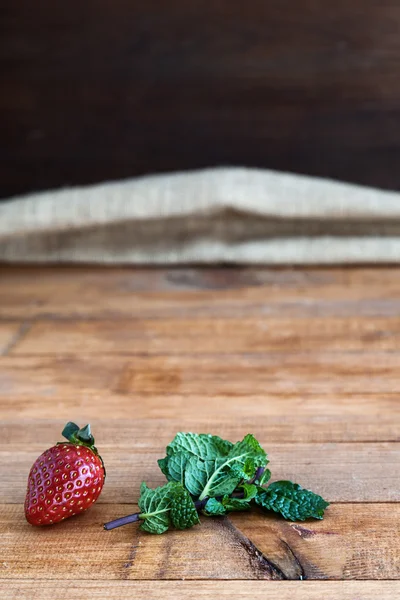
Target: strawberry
x=66, y=479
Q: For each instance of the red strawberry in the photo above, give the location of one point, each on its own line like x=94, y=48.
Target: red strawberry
x=66, y=479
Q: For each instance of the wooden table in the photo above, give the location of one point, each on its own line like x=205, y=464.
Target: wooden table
x=307, y=359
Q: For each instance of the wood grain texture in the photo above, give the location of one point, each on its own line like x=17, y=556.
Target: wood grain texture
x=355, y=541
x=329, y=417
x=154, y=590
x=124, y=293
x=109, y=90
x=212, y=336
x=272, y=374
x=308, y=360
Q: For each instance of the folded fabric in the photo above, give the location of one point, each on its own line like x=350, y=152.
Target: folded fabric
x=229, y=215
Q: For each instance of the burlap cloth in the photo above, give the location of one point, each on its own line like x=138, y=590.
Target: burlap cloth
x=229, y=215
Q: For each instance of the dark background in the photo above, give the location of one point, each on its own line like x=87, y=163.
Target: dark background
x=106, y=89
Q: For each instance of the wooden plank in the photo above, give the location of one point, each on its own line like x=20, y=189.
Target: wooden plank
x=303, y=397
x=315, y=373
x=43, y=589
x=152, y=433
x=339, y=472
x=79, y=292
x=355, y=541
x=281, y=418
x=8, y=333
x=211, y=336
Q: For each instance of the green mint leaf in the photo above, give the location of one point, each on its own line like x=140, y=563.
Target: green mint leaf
x=214, y=508
x=185, y=446
x=241, y=462
x=196, y=474
x=229, y=504
x=234, y=504
x=154, y=508
x=209, y=466
x=265, y=477
x=249, y=491
x=291, y=500
x=183, y=510
x=176, y=466
x=163, y=464
x=246, y=470
x=201, y=445
x=163, y=505
x=199, y=473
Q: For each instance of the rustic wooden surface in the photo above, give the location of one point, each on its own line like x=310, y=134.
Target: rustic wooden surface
x=307, y=359
x=100, y=90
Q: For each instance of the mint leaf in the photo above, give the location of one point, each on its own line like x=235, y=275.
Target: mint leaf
x=163, y=505
x=202, y=445
x=227, y=503
x=240, y=463
x=291, y=500
x=154, y=508
x=163, y=464
x=176, y=466
x=209, y=466
x=249, y=491
x=209, y=478
x=214, y=508
x=246, y=470
x=183, y=510
x=233, y=504
x=185, y=446
x=265, y=477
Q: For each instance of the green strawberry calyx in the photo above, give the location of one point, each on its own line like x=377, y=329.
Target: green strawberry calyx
x=81, y=436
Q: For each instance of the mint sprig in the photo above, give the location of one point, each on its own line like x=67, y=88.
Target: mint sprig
x=213, y=476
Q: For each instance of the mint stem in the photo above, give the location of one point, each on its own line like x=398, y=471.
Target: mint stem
x=200, y=504
x=258, y=474
x=122, y=521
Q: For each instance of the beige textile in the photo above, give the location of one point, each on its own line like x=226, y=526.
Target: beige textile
x=228, y=215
